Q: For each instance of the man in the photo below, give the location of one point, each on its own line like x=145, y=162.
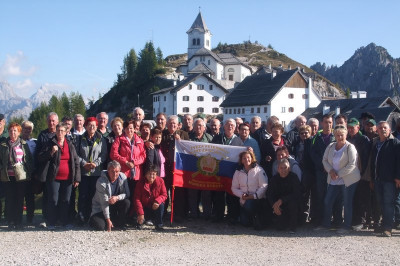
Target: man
x=268, y=128
x=3, y=130
x=161, y=121
x=199, y=135
x=314, y=124
x=396, y=134
x=370, y=129
x=364, y=118
x=102, y=118
x=138, y=114
x=292, y=137
x=341, y=119
x=111, y=203
x=227, y=138
x=385, y=170
x=26, y=134
x=168, y=150
x=188, y=123
x=244, y=134
x=215, y=126
x=79, y=120
x=362, y=198
x=256, y=131
x=44, y=143
x=238, y=121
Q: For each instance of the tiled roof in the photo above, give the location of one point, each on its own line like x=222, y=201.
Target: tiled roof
x=198, y=24
x=201, y=68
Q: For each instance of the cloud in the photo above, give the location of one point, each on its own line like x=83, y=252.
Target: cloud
x=16, y=66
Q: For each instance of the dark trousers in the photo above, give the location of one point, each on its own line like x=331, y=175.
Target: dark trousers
x=386, y=195
x=397, y=208
x=58, y=195
x=72, y=206
x=87, y=189
x=156, y=216
x=362, y=206
x=288, y=218
x=30, y=201
x=205, y=196
x=218, y=202
x=118, y=212
x=14, y=192
x=249, y=211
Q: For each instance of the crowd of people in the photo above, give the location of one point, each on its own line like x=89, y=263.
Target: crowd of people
x=337, y=173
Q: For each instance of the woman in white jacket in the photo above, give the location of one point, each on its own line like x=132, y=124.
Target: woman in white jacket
x=249, y=184
x=340, y=162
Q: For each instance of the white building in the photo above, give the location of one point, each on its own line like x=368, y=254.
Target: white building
x=285, y=94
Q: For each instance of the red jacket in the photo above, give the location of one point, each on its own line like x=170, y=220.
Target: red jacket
x=121, y=152
x=145, y=194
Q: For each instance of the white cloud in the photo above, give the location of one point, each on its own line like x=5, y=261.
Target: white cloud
x=16, y=66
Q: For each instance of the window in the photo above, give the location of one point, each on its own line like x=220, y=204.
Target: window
x=230, y=111
x=215, y=110
x=291, y=109
x=198, y=41
x=284, y=123
x=154, y=99
x=238, y=110
x=252, y=110
x=185, y=98
x=200, y=110
x=231, y=70
x=290, y=95
x=234, y=111
x=242, y=110
x=185, y=109
x=202, y=58
x=258, y=110
x=226, y=111
x=283, y=110
x=231, y=77
x=265, y=109
x=200, y=87
x=305, y=96
x=209, y=62
x=195, y=62
x=215, y=99
x=164, y=109
x=208, y=43
x=194, y=41
x=165, y=98
x=158, y=98
x=210, y=87
x=200, y=98
x=190, y=86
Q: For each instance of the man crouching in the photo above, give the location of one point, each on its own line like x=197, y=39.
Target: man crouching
x=111, y=202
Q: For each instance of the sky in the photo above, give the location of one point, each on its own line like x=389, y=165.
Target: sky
x=79, y=45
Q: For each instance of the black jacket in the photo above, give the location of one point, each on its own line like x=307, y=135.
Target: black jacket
x=286, y=189
x=42, y=145
x=385, y=164
x=363, y=147
x=267, y=149
x=153, y=158
x=292, y=138
x=317, y=150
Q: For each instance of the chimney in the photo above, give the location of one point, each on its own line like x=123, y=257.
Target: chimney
x=180, y=77
x=325, y=109
x=273, y=74
x=289, y=67
x=270, y=67
x=175, y=82
x=337, y=110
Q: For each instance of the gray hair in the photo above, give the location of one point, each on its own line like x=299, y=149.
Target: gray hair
x=383, y=122
x=300, y=117
x=186, y=115
x=52, y=114
x=27, y=123
x=138, y=109
x=256, y=117
x=284, y=161
x=312, y=120
x=273, y=118
x=101, y=113
x=114, y=164
x=239, y=118
x=230, y=120
x=173, y=117
x=199, y=120
x=63, y=125
x=78, y=115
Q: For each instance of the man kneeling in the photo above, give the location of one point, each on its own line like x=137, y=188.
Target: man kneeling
x=111, y=202
x=150, y=195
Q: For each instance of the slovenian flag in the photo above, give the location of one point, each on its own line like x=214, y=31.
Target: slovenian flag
x=205, y=166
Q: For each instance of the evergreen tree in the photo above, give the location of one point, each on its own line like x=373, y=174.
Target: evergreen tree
x=77, y=104
x=160, y=57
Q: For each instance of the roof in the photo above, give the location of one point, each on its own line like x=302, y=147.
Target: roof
x=198, y=24
x=381, y=107
x=204, y=51
x=186, y=81
x=257, y=89
x=201, y=68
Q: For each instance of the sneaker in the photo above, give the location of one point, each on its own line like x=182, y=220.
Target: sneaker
x=397, y=226
x=42, y=225
x=149, y=223
x=357, y=227
x=343, y=231
x=139, y=226
x=386, y=233
x=11, y=227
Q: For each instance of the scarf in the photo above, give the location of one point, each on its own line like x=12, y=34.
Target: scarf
x=12, y=155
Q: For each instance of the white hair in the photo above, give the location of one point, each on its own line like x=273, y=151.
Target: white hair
x=256, y=117
x=138, y=109
x=52, y=114
x=101, y=113
x=230, y=120
x=173, y=117
x=199, y=120
x=312, y=120
x=27, y=123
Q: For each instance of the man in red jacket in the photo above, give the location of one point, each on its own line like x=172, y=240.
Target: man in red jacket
x=149, y=197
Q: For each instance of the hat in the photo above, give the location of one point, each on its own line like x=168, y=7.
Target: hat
x=1, y=116
x=353, y=122
x=372, y=121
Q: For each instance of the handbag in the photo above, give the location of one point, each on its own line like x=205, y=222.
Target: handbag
x=19, y=171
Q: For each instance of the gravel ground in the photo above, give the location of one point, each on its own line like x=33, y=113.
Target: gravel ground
x=196, y=243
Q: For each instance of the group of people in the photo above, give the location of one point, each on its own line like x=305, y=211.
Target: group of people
x=345, y=176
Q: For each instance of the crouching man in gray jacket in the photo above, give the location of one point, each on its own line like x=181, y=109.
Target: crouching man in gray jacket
x=111, y=202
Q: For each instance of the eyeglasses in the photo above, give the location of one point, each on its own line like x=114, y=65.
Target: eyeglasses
x=339, y=126
x=304, y=133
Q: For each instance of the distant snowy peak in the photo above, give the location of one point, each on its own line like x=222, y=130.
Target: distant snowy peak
x=43, y=94
x=6, y=92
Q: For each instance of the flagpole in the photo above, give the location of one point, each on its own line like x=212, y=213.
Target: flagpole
x=172, y=204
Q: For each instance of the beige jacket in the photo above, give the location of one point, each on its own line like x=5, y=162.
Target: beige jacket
x=348, y=163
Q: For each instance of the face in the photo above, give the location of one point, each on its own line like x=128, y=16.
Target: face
x=91, y=127
x=61, y=132
x=2, y=123
x=244, y=132
x=113, y=173
x=246, y=160
x=304, y=134
x=161, y=121
x=156, y=139
x=283, y=170
x=281, y=154
x=188, y=121
x=370, y=128
x=238, y=122
x=137, y=126
x=276, y=133
x=172, y=125
x=78, y=122
x=52, y=122
x=340, y=121
x=138, y=114
x=26, y=132
x=314, y=128
x=129, y=130
x=255, y=124
x=103, y=120
x=117, y=128
x=68, y=123
x=215, y=126
x=150, y=177
x=229, y=128
x=353, y=130
x=300, y=122
x=270, y=122
x=327, y=124
x=383, y=130
x=13, y=133
x=199, y=128
x=145, y=132
x=340, y=136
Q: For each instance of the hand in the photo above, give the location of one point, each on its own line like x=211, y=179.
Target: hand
x=109, y=225
x=278, y=211
x=155, y=206
x=177, y=137
x=92, y=165
x=277, y=204
x=76, y=184
x=333, y=174
x=250, y=149
x=140, y=219
x=130, y=165
x=54, y=149
x=87, y=166
x=113, y=200
x=149, y=145
x=268, y=158
x=397, y=181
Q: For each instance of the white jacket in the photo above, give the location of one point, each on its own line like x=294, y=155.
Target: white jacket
x=255, y=182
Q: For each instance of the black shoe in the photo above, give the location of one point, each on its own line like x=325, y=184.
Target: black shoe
x=19, y=227
x=217, y=220
x=139, y=226
x=11, y=227
x=159, y=228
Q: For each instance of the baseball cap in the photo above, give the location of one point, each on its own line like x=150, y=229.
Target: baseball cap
x=372, y=121
x=353, y=122
x=1, y=116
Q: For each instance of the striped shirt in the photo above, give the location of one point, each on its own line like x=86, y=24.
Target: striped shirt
x=19, y=153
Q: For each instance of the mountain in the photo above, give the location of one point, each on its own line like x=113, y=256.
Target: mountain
x=12, y=105
x=370, y=69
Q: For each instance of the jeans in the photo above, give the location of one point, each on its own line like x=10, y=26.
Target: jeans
x=156, y=216
x=58, y=196
x=87, y=189
x=386, y=196
x=345, y=195
x=362, y=205
x=248, y=211
x=118, y=212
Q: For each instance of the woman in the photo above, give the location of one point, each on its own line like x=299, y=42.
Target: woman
x=304, y=133
x=63, y=173
x=92, y=152
x=149, y=199
x=154, y=156
x=269, y=146
x=128, y=150
x=16, y=166
x=283, y=153
x=340, y=162
x=145, y=129
x=249, y=184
